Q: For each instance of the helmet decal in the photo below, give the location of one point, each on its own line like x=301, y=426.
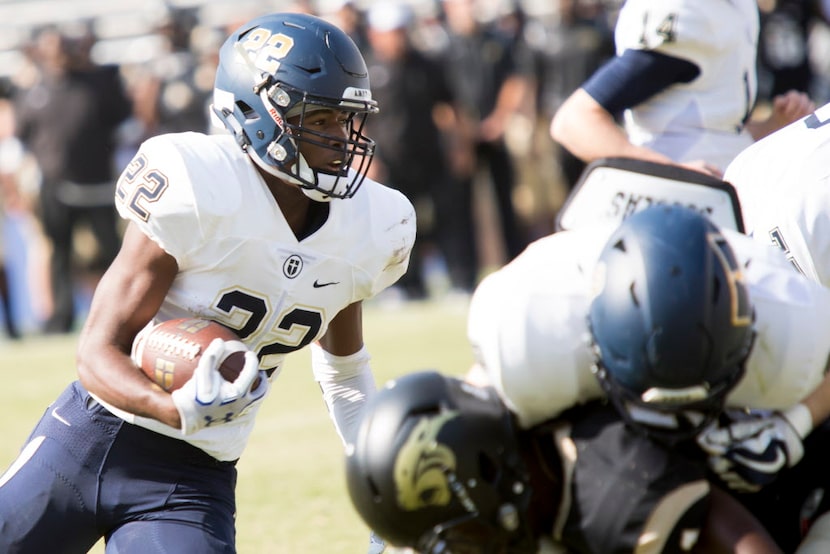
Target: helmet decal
x=738, y=293
x=267, y=48
x=422, y=465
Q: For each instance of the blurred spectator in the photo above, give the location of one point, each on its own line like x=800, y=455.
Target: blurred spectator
x=415, y=124
x=783, y=50
x=173, y=95
x=350, y=18
x=68, y=121
x=24, y=279
x=301, y=6
x=11, y=157
x=489, y=72
x=819, y=45
x=570, y=45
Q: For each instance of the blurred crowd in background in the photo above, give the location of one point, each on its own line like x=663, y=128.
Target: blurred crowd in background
x=467, y=89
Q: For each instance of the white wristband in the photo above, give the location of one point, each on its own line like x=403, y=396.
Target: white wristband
x=800, y=418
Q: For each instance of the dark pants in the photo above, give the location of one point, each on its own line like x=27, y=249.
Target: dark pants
x=59, y=222
x=86, y=474
x=495, y=158
x=450, y=227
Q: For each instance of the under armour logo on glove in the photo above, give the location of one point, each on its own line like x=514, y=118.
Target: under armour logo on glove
x=747, y=450
x=227, y=418
x=207, y=399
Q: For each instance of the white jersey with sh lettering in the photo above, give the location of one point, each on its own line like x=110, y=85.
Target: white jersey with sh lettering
x=201, y=199
x=528, y=327
x=703, y=119
x=783, y=184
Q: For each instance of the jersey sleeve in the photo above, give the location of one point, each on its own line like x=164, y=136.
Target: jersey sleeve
x=394, y=236
x=154, y=193
x=176, y=190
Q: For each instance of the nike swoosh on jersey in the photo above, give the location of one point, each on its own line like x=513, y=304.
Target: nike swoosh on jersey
x=60, y=418
x=763, y=466
x=318, y=285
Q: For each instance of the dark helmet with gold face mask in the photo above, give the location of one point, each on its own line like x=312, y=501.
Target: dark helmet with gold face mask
x=436, y=467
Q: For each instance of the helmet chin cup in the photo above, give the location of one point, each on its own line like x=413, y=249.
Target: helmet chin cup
x=323, y=181
x=308, y=175
x=316, y=194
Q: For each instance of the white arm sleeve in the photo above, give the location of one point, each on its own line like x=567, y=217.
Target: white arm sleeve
x=347, y=383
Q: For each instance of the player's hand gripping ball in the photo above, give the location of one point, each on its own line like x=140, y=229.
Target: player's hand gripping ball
x=169, y=352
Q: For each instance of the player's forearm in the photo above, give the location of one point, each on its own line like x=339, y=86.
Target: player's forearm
x=589, y=132
x=112, y=376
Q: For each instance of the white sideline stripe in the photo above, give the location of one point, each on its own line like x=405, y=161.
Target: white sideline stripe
x=25, y=455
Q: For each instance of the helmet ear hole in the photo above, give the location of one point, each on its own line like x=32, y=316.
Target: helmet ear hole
x=488, y=468
x=374, y=490
x=247, y=111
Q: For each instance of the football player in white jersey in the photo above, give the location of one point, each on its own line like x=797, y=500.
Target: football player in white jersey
x=270, y=229
x=684, y=80
x=783, y=184
x=533, y=310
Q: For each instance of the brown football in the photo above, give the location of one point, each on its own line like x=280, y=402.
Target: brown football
x=169, y=352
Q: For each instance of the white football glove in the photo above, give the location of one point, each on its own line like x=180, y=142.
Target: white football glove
x=749, y=450
x=208, y=399
x=376, y=544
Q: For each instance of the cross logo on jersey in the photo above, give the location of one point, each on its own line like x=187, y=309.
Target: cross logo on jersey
x=292, y=266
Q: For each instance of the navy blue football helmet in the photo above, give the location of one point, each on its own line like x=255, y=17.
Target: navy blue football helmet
x=284, y=66
x=671, y=321
x=436, y=468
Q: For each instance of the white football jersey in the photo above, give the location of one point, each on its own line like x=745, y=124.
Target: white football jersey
x=201, y=199
x=783, y=183
x=703, y=119
x=528, y=327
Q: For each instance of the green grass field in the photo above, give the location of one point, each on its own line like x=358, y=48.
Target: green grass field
x=291, y=496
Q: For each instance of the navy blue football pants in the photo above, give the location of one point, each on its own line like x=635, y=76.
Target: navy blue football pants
x=84, y=473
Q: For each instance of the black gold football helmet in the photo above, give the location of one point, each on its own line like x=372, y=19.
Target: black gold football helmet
x=436, y=468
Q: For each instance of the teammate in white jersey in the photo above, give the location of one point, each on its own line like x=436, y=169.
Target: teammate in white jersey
x=272, y=230
x=684, y=79
x=527, y=324
x=783, y=183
